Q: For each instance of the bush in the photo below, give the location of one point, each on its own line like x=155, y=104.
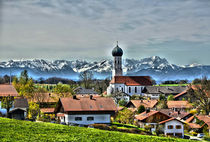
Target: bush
x=101, y=126
x=141, y=109
x=122, y=103
x=207, y=138
x=148, y=127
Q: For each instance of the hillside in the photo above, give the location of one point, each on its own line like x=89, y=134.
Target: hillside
x=15, y=130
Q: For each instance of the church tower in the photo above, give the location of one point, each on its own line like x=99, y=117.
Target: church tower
x=117, y=52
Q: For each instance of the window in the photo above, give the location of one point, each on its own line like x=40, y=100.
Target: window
x=178, y=127
x=170, y=126
x=129, y=89
x=90, y=118
x=101, y=106
x=122, y=89
x=135, y=89
x=78, y=118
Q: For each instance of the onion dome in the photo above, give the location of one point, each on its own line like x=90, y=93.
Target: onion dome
x=117, y=51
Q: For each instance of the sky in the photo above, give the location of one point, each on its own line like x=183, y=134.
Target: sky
x=177, y=30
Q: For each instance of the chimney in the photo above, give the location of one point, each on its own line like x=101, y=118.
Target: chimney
x=74, y=97
x=91, y=97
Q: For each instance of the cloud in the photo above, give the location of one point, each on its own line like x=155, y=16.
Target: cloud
x=86, y=28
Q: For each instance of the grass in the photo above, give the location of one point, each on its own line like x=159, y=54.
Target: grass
x=125, y=126
x=23, y=131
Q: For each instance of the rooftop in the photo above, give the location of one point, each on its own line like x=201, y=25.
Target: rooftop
x=8, y=90
x=132, y=80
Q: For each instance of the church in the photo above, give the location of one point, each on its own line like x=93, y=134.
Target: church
x=127, y=84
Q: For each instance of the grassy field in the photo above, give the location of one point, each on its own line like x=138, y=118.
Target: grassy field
x=15, y=130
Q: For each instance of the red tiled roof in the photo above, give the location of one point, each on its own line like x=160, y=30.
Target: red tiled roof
x=47, y=110
x=179, y=104
x=194, y=125
x=145, y=103
x=175, y=114
x=189, y=119
x=205, y=118
x=60, y=114
x=120, y=108
x=6, y=90
x=145, y=115
x=132, y=80
x=170, y=119
x=180, y=94
x=87, y=104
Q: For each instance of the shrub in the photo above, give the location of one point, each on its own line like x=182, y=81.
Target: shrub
x=207, y=138
x=101, y=126
x=141, y=109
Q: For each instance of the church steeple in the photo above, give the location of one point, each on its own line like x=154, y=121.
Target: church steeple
x=117, y=52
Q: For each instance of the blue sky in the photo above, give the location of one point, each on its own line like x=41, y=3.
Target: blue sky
x=177, y=30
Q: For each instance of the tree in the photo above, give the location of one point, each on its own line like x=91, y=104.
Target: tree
x=39, y=95
x=7, y=102
x=125, y=116
x=33, y=110
x=24, y=77
x=141, y=109
x=64, y=90
x=200, y=93
x=122, y=103
x=170, y=98
x=86, y=78
x=161, y=97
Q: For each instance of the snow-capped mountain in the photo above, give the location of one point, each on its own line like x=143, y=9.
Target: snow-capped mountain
x=156, y=67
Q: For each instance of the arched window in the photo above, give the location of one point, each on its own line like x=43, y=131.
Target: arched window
x=129, y=89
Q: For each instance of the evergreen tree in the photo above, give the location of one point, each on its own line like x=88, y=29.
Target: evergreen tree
x=141, y=109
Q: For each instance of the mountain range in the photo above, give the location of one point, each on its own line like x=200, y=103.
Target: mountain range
x=156, y=67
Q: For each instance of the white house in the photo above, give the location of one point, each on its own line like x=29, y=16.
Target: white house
x=173, y=127
x=6, y=91
x=127, y=84
x=85, y=110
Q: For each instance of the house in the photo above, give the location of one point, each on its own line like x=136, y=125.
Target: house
x=185, y=96
x=85, y=110
x=20, y=109
x=135, y=104
x=181, y=115
x=154, y=92
x=7, y=90
x=47, y=110
x=83, y=92
x=179, y=105
x=150, y=118
x=128, y=84
x=199, y=122
x=45, y=100
x=173, y=127
x=119, y=96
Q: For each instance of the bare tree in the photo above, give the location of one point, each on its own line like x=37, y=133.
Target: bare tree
x=201, y=94
x=86, y=78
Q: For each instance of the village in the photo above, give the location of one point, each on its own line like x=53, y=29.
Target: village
x=130, y=104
